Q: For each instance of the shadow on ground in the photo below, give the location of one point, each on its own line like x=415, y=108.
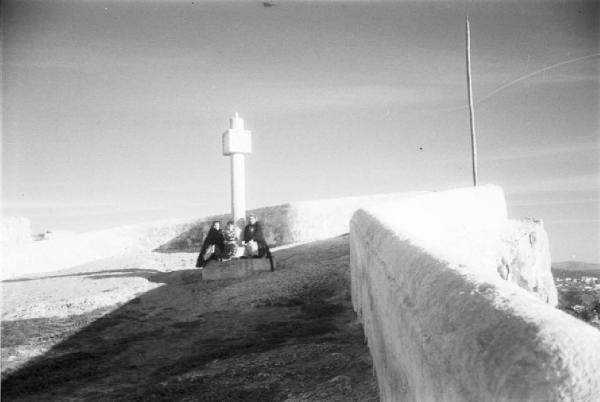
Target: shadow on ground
x=131, y=272
x=286, y=335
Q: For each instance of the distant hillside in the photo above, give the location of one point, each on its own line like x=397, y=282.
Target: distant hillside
x=576, y=266
x=575, y=269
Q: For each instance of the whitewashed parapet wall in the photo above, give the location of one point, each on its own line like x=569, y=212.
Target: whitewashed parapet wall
x=441, y=322
x=316, y=220
x=284, y=224
x=295, y=222
x=35, y=257
x=15, y=230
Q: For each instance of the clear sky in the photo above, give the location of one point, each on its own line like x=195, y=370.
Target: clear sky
x=113, y=110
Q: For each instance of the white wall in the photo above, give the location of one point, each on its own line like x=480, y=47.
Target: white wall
x=524, y=258
x=284, y=224
x=15, y=230
x=292, y=223
x=440, y=322
x=37, y=257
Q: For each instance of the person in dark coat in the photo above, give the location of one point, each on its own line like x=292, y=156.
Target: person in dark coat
x=213, y=238
x=231, y=235
x=253, y=232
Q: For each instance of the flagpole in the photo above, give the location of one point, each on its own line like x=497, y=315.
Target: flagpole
x=471, y=111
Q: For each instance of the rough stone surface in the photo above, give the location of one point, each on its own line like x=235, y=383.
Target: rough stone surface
x=524, y=259
x=237, y=268
x=446, y=327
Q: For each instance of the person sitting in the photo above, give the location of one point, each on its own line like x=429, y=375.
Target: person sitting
x=231, y=236
x=212, y=247
x=254, y=240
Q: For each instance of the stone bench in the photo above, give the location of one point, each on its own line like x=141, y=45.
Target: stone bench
x=236, y=268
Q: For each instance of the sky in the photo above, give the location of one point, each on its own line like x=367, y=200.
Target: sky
x=113, y=111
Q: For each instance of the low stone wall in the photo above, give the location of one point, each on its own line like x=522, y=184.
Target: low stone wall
x=441, y=321
x=283, y=224
x=15, y=230
x=236, y=268
x=35, y=257
x=290, y=223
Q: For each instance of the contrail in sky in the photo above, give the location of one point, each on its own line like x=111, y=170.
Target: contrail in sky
x=541, y=70
x=524, y=77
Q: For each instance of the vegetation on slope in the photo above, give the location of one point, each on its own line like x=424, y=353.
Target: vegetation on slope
x=578, y=287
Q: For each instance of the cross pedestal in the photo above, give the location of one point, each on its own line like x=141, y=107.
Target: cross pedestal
x=236, y=142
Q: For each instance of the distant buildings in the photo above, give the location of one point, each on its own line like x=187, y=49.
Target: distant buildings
x=582, y=282
x=579, y=295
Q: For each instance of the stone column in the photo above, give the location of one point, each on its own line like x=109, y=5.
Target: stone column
x=238, y=189
x=236, y=142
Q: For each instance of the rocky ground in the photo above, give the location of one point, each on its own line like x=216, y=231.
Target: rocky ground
x=146, y=327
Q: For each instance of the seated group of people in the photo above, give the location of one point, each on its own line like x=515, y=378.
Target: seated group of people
x=223, y=245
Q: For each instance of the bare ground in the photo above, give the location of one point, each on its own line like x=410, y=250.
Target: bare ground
x=288, y=335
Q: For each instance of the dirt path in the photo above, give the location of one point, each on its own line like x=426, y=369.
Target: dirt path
x=287, y=335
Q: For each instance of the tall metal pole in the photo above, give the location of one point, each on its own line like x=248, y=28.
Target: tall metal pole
x=471, y=111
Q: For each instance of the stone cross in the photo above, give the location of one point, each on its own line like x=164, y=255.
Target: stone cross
x=236, y=143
